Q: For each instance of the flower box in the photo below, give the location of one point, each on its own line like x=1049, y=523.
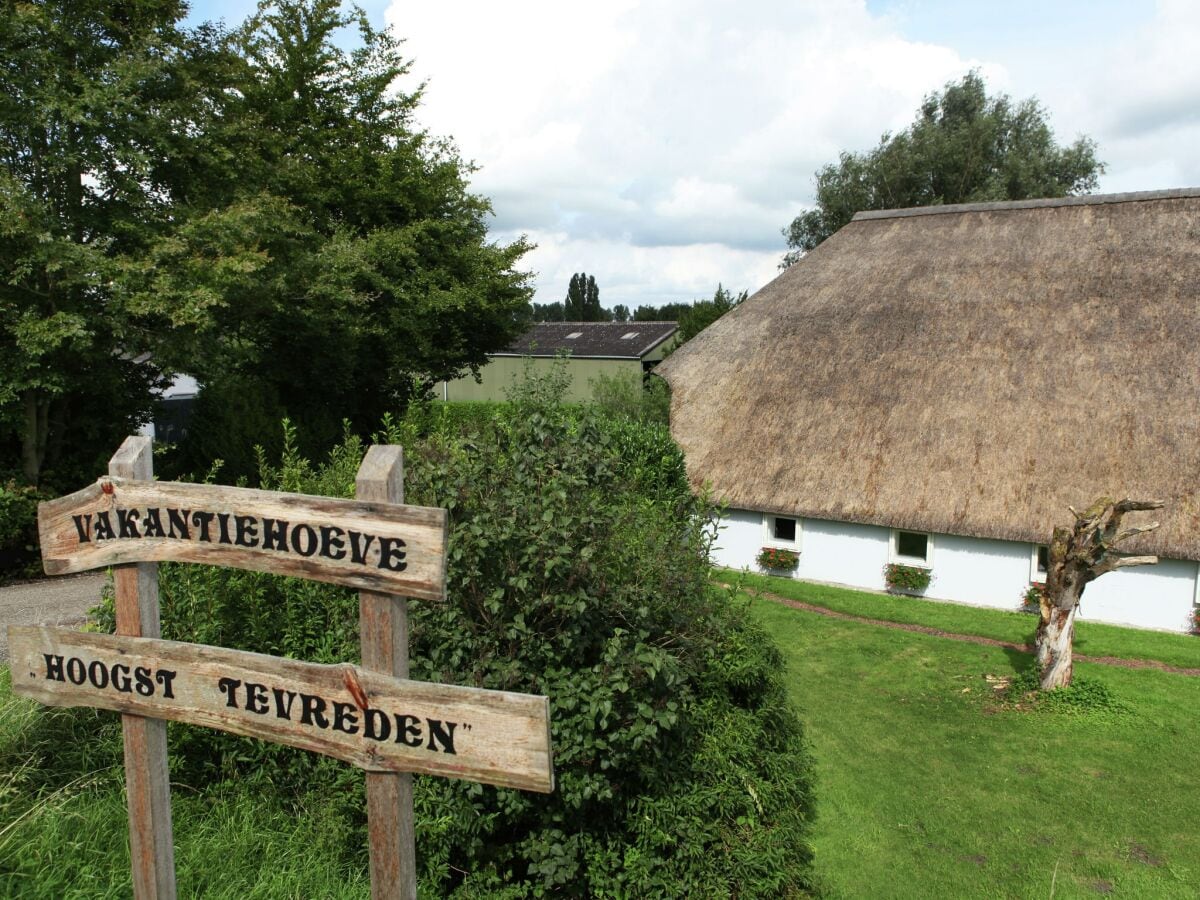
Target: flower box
x=902, y=579
x=777, y=559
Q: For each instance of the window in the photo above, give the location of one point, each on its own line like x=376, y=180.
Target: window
x=573, y=335
x=913, y=548
x=781, y=531
x=1039, y=562
x=629, y=336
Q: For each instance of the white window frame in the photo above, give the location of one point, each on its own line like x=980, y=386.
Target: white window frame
x=768, y=530
x=894, y=550
x=1035, y=574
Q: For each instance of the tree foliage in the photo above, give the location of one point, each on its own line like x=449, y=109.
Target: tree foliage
x=962, y=147
x=256, y=206
x=582, y=303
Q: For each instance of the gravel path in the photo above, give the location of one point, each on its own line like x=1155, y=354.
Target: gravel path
x=48, y=601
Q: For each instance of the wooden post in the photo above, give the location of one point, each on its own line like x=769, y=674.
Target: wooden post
x=383, y=627
x=151, y=846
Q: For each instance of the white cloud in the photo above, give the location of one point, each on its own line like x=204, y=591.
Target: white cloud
x=661, y=146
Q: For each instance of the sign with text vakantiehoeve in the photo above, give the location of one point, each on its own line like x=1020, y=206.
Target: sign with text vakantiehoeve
x=373, y=721
x=370, y=546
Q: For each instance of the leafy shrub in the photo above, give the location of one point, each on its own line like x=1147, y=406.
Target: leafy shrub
x=777, y=558
x=628, y=396
x=1031, y=597
x=18, y=527
x=579, y=571
x=906, y=578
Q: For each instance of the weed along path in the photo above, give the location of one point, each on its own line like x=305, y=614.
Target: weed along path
x=1122, y=662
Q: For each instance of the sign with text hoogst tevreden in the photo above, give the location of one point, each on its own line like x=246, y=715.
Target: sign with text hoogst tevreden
x=370, y=715
x=375, y=722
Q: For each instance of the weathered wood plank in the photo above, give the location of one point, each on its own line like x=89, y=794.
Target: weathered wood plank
x=147, y=782
x=375, y=546
x=374, y=721
x=383, y=632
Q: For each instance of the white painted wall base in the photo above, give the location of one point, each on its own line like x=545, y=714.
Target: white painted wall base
x=976, y=571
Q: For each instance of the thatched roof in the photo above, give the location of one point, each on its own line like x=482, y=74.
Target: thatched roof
x=596, y=340
x=963, y=369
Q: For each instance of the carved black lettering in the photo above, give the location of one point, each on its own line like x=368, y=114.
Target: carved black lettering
x=83, y=524
x=312, y=709
x=332, y=545
x=202, y=520
x=223, y=526
x=441, y=733
x=165, y=677
x=283, y=710
x=229, y=686
x=76, y=673
x=256, y=698
x=275, y=535
x=391, y=557
x=408, y=730
x=344, y=717
x=54, y=667
x=98, y=674
x=127, y=522
x=376, y=725
x=152, y=523
x=246, y=528
x=104, y=529
x=309, y=545
x=358, y=553
x=143, y=683
x=120, y=678
x=177, y=524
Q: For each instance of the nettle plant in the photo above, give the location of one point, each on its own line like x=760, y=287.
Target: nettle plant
x=900, y=577
x=778, y=558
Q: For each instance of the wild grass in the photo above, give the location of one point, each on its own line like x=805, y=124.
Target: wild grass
x=931, y=785
x=63, y=827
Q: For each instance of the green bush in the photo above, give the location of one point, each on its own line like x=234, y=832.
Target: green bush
x=18, y=528
x=906, y=578
x=578, y=572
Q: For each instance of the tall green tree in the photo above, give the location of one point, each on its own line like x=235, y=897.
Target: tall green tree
x=331, y=250
x=703, y=313
x=91, y=94
x=582, y=303
x=962, y=147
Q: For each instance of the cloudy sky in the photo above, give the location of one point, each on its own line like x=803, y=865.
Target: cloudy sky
x=662, y=145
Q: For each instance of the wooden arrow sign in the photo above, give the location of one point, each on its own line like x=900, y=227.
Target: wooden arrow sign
x=372, y=546
x=376, y=722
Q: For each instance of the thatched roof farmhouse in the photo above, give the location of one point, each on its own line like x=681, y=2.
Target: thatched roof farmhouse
x=963, y=370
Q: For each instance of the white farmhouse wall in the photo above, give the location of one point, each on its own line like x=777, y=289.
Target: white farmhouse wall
x=977, y=571
x=1159, y=596
x=980, y=572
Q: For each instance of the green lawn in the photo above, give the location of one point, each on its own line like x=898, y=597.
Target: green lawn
x=928, y=787
x=1092, y=638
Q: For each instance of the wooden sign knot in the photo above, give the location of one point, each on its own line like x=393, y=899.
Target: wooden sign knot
x=106, y=486
x=350, y=679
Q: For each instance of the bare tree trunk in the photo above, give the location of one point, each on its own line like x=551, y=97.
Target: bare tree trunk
x=1078, y=556
x=33, y=435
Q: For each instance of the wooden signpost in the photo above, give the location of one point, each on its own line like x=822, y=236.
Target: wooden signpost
x=370, y=715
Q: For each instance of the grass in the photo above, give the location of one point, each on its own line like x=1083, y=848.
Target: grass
x=1091, y=638
x=928, y=786
x=63, y=834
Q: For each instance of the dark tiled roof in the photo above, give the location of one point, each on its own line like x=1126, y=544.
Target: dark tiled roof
x=627, y=340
